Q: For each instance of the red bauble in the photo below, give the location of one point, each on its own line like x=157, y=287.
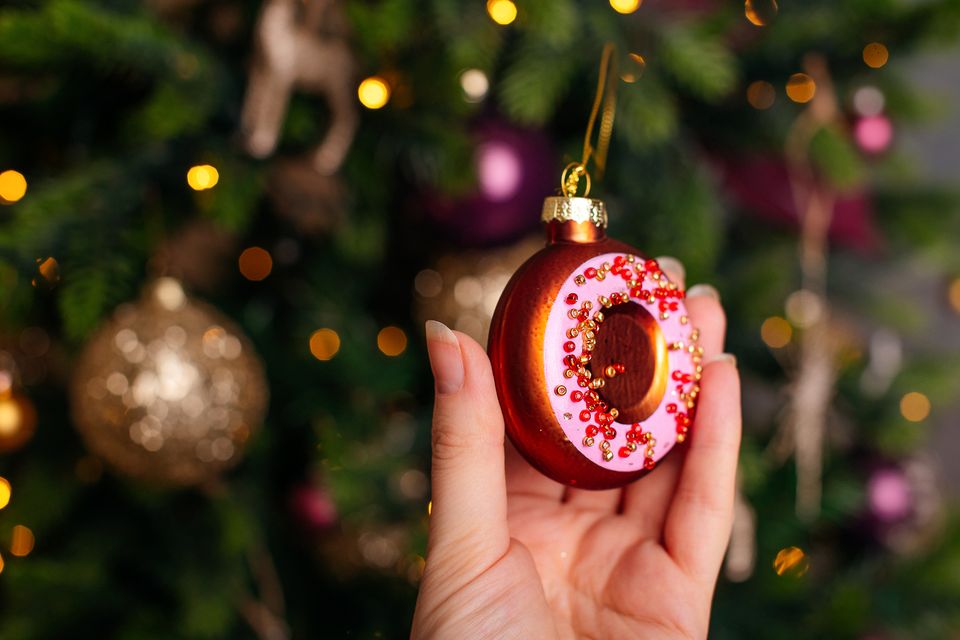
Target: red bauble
x=603, y=413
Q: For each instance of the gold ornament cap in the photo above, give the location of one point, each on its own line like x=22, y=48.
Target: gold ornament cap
x=574, y=209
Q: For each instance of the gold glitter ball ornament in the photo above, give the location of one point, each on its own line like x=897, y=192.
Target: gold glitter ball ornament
x=168, y=390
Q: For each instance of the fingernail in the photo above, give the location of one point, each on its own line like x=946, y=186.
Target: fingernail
x=672, y=266
x=722, y=357
x=445, y=357
x=703, y=290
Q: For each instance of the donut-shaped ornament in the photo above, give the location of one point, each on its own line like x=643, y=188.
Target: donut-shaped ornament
x=597, y=366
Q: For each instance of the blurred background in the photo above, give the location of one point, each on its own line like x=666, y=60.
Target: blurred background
x=223, y=223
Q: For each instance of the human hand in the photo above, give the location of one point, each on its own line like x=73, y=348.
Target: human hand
x=513, y=554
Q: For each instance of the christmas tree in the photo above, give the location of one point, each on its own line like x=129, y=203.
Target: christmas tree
x=206, y=203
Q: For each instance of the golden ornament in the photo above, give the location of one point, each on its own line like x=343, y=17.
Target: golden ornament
x=168, y=390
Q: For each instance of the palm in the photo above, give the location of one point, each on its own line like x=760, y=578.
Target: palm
x=514, y=554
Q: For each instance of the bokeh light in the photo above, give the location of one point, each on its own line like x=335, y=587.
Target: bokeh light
x=5, y=492
x=22, y=541
x=11, y=417
x=915, y=406
x=875, y=55
x=255, y=263
x=502, y=12
x=953, y=294
x=202, y=177
x=801, y=88
x=625, y=6
x=392, y=341
x=48, y=272
x=428, y=283
x=868, y=101
x=873, y=133
x=889, y=495
x=761, y=95
x=633, y=68
x=373, y=92
x=804, y=308
x=760, y=12
x=475, y=85
x=324, y=344
x=776, y=332
x=499, y=171
x=1, y=563
x=791, y=561
x=13, y=186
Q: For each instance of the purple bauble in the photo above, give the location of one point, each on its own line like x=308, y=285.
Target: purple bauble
x=514, y=168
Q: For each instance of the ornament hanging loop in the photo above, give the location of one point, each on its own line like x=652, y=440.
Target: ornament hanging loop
x=604, y=107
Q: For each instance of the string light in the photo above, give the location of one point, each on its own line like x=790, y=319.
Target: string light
x=13, y=186
x=392, y=341
x=875, y=55
x=915, y=406
x=5, y=492
x=22, y=541
x=776, y=332
x=202, y=177
x=801, y=88
x=474, y=84
x=503, y=12
x=255, y=263
x=373, y=92
x=760, y=13
x=634, y=68
x=625, y=6
x=792, y=561
x=761, y=95
x=324, y=344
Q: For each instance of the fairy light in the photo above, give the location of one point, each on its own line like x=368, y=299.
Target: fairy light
x=875, y=55
x=324, y=344
x=761, y=95
x=5, y=492
x=915, y=406
x=373, y=92
x=625, y=6
x=202, y=177
x=791, y=561
x=255, y=263
x=475, y=85
x=801, y=88
x=22, y=541
x=776, y=332
x=392, y=341
x=13, y=186
x=503, y=12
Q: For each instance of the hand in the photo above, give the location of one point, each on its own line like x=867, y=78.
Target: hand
x=513, y=554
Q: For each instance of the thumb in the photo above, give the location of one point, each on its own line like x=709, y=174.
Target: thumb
x=469, y=514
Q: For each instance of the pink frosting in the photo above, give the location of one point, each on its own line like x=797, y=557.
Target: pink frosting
x=661, y=425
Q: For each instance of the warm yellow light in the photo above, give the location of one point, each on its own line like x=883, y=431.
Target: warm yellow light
x=324, y=344
x=953, y=295
x=392, y=341
x=202, y=177
x=11, y=417
x=801, y=88
x=760, y=12
x=48, y=270
x=1, y=563
x=430, y=507
x=761, y=95
x=4, y=492
x=373, y=92
x=625, y=6
x=502, y=11
x=791, y=560
x=915, y=406
x=255, y=263
x=475, y=84
x=13, y=186
x=21, y=544
x=634, y=68
x=776, y=332
x=875, y=55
